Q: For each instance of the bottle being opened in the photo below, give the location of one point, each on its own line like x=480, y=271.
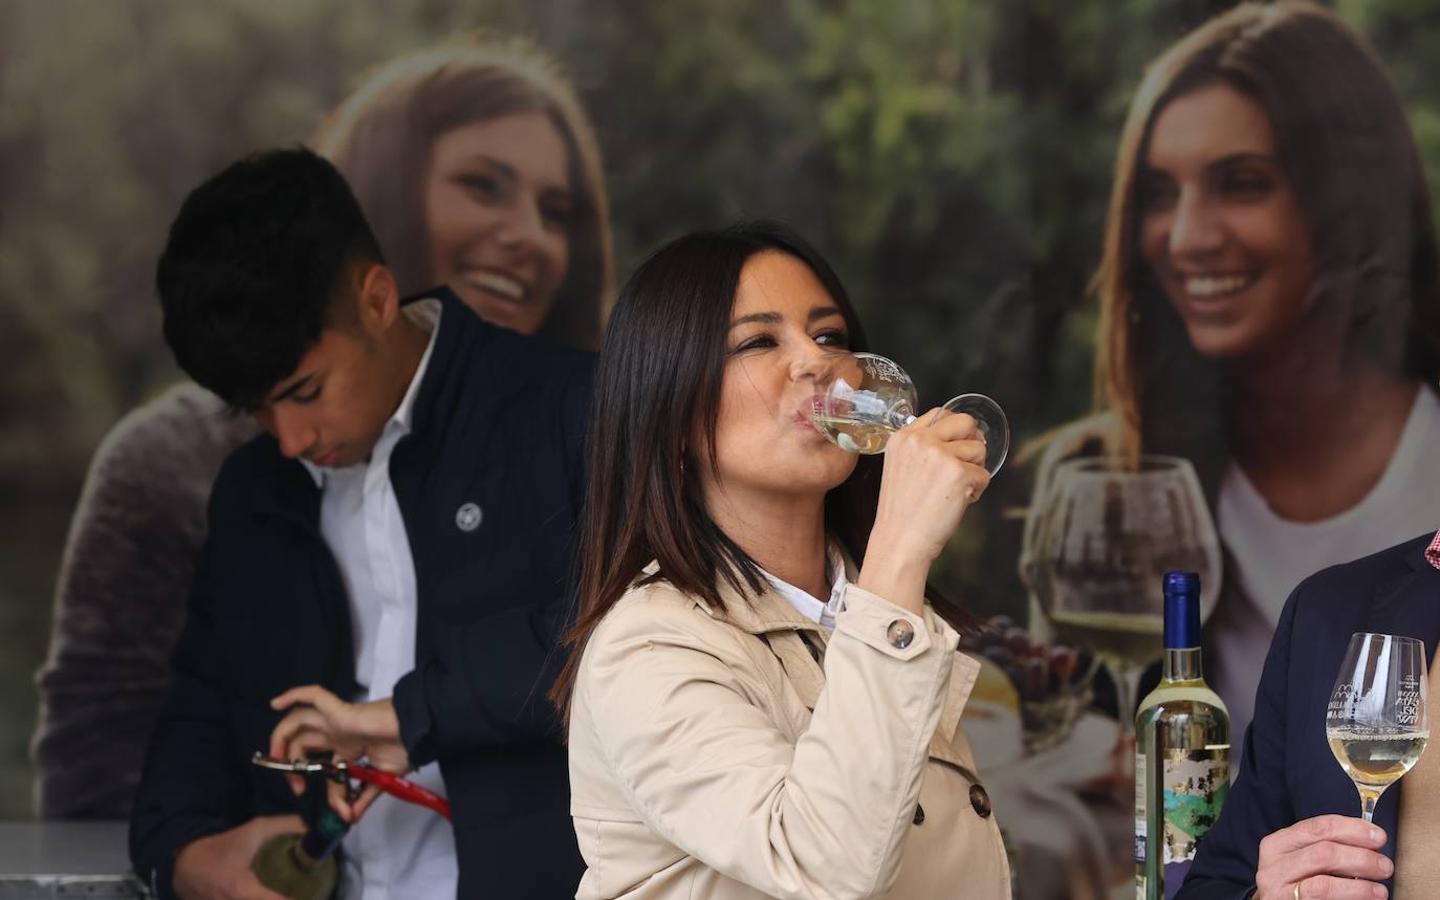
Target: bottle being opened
x=303, y=867
x=1182, y=752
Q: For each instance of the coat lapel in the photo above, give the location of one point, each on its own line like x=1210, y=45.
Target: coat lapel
x=795, y=640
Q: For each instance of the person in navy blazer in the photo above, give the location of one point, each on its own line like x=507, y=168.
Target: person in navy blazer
x=1293, y=814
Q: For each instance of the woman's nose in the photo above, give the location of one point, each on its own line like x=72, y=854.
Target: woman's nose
x=816, y=364
x=524, y=224
x=1195, y=229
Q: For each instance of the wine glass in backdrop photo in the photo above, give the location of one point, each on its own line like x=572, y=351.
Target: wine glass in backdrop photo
x=1106, y=532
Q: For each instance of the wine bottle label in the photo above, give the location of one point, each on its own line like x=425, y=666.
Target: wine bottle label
x=1141, y=809
x=1141, y=831
x=1194, y=785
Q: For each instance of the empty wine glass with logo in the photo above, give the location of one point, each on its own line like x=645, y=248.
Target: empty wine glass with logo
x=1378, y=721
x=866, y=398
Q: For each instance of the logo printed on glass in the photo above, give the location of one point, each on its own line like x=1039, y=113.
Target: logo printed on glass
x=467, y=517
x=1407, y=700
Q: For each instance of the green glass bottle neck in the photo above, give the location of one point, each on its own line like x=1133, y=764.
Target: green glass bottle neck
x=1183, y=665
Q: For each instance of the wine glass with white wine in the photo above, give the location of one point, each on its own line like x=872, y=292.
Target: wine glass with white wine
x=1378, y=720
x=865, y=398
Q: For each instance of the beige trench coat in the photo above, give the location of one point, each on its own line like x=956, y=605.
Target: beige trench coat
x=712, y=757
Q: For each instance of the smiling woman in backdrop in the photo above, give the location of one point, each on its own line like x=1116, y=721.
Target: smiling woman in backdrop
x=1270, y=310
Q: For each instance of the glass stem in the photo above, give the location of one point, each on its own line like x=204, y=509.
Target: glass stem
x=1368, y=799
x=1127, y=680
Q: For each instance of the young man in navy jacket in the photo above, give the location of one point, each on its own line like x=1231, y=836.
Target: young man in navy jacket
x=386, y=565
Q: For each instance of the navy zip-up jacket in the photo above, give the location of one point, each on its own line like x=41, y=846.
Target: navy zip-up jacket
x=498, y=423
x=1288, y=772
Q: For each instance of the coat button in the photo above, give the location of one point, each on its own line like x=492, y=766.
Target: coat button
x=980, y=801
x=919, y=815
x=900, y=634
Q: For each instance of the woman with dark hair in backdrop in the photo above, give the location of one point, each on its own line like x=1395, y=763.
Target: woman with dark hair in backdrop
x=1270, y=309
x=751, y=715
x=478, y=169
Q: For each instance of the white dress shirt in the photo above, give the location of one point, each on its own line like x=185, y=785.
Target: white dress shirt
x=398, y=850
x=822, y=614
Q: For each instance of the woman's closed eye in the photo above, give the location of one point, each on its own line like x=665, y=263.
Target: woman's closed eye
x=756, y=342
x=831, y=337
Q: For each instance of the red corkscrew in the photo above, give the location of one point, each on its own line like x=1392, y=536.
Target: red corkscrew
x=342, y=772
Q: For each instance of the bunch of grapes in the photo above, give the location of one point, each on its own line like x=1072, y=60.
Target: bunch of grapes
x=1037, y=670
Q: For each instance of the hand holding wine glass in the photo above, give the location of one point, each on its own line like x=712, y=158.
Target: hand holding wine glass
x=1323, y=856
x=1377, y=724
x=932, y=474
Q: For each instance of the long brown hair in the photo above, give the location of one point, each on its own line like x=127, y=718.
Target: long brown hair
x=658, y=383
x=381, y=136
x=1346, y=147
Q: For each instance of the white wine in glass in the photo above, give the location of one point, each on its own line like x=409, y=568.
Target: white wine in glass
x=1378, y=721
x=1131, y=638
x=865, y=398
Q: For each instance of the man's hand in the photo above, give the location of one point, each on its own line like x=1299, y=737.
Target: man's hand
x=318, y=721
x=1328, y=856
x=218, y=867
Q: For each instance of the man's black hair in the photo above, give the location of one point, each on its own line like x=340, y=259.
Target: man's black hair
x=254, y=266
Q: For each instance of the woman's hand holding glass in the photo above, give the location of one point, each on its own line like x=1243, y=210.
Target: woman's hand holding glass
x=934, y=469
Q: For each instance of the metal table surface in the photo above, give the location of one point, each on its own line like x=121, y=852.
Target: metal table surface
x=44, y=860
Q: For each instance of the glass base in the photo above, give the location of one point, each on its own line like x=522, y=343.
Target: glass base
x=993, y=426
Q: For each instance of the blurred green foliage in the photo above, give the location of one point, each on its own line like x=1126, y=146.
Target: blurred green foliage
x=951, y=157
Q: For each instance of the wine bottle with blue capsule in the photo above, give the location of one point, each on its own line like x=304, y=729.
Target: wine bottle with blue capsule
x=1182, y=752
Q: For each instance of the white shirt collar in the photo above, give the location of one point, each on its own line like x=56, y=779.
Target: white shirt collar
x=426, y=314
x=822, y=614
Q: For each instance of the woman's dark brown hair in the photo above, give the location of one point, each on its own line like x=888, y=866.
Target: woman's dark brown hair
x=380, y=138
x=658, y=384
x=1345, y=145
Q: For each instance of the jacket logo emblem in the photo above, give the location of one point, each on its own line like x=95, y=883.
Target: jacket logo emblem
x=467, y=517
